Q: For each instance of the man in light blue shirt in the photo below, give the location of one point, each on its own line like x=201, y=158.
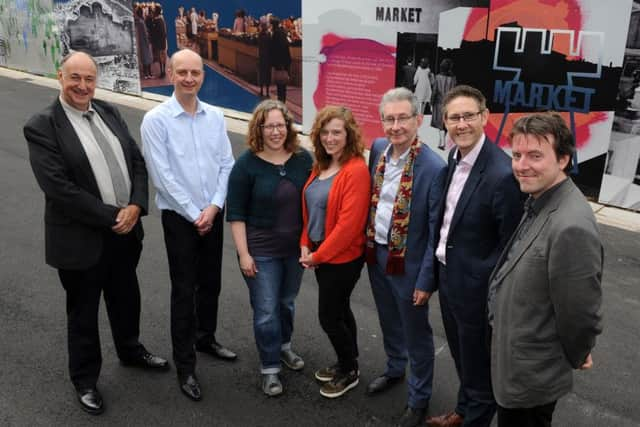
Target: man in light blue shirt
x=189, y=158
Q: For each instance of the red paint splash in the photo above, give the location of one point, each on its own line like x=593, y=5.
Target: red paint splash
x=355, y=74
x=583, y=125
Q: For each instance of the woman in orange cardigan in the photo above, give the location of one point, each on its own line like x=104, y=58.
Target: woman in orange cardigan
x=335, y=205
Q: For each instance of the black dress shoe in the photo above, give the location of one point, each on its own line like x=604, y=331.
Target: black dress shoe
x=382, y=383
x=216, y=350
x=190, y=386
x=91, y=401
x=148, y=361
x=412, y=417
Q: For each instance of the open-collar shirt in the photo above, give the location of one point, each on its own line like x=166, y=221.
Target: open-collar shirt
x=459, y=178
x=189, y=156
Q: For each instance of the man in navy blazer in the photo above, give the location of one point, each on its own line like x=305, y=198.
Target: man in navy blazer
x=481, y=208
x=93, y=233
x=407, y=182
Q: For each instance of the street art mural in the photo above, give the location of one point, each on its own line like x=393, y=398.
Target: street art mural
x=105, y=29
x=577, y=57
x=233, y=40
x=524, y=55
x=29, y=36
x=621, y=179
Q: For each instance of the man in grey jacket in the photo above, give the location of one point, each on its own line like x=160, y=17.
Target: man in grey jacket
x=545, y=293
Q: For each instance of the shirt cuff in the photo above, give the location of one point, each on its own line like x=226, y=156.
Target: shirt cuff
x=193, y=212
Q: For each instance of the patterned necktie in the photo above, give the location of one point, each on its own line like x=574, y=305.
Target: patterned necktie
x=117, y=176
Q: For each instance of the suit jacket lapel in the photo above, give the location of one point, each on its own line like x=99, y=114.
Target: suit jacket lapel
x=470, y=186
x=68, y=138
x=533, y=232
x=451, y=167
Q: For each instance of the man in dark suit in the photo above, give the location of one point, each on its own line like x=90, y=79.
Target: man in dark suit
x=545, y=292
x=407, y=180
x=478, y=214
x=95, y=185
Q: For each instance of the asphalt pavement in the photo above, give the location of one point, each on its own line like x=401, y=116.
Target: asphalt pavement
x=34, y=385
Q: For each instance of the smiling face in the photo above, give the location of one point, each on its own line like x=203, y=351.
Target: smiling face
x=77, y=78
x=333, y=137
x=186, y=73
x=465, y=133
x=274, y=131
x=535, y=163
x=400, y=124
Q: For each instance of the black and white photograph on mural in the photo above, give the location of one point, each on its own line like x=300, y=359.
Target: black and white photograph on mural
x=105, y=29
x=3, y=50
x=621, y=179
x=429, y=74
x=415, y=55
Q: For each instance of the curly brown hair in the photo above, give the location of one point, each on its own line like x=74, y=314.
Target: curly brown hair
x=354, y=146
x=255, y=139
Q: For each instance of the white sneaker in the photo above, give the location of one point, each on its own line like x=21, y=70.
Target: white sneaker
x=291, y=360
x=271, y=385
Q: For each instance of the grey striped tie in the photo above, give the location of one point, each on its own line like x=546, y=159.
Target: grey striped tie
x=117, y=176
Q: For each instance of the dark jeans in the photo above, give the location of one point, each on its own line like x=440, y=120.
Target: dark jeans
x=465, y=326
x=538, y=416
x=272, y=292
x=335, y=284
x=195, y=264
x=115, y=275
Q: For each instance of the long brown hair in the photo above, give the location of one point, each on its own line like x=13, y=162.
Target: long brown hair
x=354, y=146
x=255, y=139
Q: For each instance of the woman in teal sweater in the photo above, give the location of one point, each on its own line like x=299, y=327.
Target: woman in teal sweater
x=264, y=209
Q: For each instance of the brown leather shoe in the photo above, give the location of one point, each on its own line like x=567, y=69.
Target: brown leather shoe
x=452, y=419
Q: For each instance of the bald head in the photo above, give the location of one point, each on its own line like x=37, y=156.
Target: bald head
x=78, y=58
x=185, y=55
x=187, y=74
x=77, y=77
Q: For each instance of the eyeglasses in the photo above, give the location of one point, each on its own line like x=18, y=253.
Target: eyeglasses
x=271, y=128
x=402, y=120
x=466, y=117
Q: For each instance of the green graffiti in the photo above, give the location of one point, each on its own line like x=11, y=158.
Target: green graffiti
x=30, y=25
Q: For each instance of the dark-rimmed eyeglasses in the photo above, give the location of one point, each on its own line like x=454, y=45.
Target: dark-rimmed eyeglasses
x=466, y=117
x=271, y=128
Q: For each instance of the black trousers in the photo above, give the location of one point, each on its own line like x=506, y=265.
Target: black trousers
x=195, y=264
x=465, y=326
x=538, y=416
x=115, y=276
x=336, y=283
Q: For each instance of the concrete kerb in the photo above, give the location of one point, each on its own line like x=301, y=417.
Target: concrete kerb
x=237, y=122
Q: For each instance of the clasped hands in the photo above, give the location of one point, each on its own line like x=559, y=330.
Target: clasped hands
x=126, y=219
x=204, y=222
x=306, y=258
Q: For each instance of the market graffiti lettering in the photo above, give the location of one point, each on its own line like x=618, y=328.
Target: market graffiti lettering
x=567, y=97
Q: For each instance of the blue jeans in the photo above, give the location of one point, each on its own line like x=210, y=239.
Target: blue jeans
x=272, y=292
